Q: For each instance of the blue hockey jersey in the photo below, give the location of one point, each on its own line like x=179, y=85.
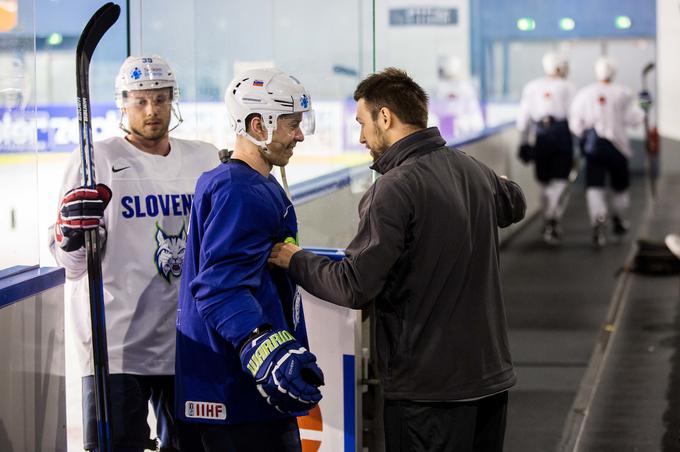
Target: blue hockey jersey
x=227, y=290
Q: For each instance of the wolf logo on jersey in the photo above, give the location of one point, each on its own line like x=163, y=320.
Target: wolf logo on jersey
x=170, y=253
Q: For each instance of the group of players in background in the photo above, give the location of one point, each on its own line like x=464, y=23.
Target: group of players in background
x=201, y=261
x=551, y=112
x=201, y=266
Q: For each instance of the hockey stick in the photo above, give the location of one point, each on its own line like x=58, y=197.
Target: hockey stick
x=571, y=179
x=652, y=153
x=95, y=29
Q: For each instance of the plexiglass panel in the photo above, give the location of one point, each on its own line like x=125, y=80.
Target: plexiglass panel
x=432, y=43
x=327, y=45
x=38, y=125
x=18, y=158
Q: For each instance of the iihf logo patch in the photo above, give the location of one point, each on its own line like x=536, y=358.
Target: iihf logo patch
x=304, y=101
x=297, y=307
x=169, y=255
x=136, y=73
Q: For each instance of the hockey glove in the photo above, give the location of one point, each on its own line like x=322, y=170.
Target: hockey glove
x=526, y=153
x=645, y=100
x=588, y=142
x=81, y=209
x=285, y=372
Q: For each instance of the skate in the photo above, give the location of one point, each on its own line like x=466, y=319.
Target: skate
x=599, y=237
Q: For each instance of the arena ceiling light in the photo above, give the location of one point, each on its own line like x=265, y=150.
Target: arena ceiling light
x=526, y=24
x=567, y=23
x=55, y=39
x=623, y=22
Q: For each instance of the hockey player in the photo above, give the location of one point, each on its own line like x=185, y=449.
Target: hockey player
x=458, y=98
x=425, y=260
x=147, y=180
x=243, y=369
x=543, y=112
x=600, y=115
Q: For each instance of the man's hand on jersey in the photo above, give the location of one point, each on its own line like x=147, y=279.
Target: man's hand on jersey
x=81, y=209
x=285, y=372
x=282, y=253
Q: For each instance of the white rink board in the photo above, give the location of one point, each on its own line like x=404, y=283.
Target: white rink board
x=334, y=337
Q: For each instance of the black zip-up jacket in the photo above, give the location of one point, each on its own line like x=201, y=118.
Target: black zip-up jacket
x=426, y=255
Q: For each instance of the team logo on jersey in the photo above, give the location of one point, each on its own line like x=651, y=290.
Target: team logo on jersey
x=170, y=252
x=205, y=410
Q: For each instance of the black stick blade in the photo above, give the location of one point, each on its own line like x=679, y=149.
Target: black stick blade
x=96, y=27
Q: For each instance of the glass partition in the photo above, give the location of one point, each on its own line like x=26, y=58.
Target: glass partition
x=432, y=43
x=207, y=42
x=18, y=158
x=38, y=124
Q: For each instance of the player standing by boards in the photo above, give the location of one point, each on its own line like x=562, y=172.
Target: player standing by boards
x=140, y=207
x=425, y=259
x=600, y=116
x=243, y=369
x=543, y=113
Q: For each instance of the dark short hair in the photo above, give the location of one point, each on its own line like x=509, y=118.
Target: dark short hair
x=394, y=89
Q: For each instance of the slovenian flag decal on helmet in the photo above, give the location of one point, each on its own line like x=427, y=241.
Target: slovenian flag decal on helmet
x=258, y=83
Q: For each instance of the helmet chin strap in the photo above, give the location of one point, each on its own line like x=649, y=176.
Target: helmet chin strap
x=266, y=154
x=178, y=115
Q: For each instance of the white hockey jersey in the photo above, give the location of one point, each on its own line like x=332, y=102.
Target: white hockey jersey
x=608, y=108
x=546, y=96
x=146, y=228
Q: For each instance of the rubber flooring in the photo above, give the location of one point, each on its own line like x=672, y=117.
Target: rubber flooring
x=556, y=300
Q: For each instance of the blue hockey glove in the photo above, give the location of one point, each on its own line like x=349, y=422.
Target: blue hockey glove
x=81, y=209
x=285, y=372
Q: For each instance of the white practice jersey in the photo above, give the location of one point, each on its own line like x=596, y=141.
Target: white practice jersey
x=546, y=96
x=146, y=228
x=609, y=109
x=459, y=99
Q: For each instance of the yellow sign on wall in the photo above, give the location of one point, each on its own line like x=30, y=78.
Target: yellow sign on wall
x=8, y=14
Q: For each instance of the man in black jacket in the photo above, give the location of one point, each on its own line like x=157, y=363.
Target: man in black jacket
x=426, y=256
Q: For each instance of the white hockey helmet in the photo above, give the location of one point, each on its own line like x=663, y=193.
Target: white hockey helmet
x=605, y=69
x=270, y=93
x=450, y=66
x=554, y=63
x=141, y=73
x=13, y=85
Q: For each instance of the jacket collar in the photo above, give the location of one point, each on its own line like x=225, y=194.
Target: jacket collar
x=418, y=143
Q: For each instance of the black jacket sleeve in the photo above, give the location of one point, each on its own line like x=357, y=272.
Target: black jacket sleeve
x=356, y=280
x=510, y=202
